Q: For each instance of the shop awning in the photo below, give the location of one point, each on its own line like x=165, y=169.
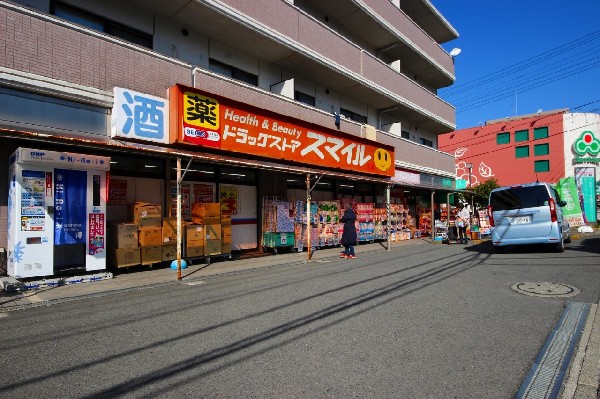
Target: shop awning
x=121, y=145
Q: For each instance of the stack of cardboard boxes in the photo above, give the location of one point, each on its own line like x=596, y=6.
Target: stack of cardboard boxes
x=210, y=233
x=138, y=241
x=149, y=238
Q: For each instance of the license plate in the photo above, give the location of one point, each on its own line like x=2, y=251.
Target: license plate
x=520, y=220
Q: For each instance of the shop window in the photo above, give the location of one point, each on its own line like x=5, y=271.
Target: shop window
x=346, y=187
x=541, y=149
x=521, y=135
x=242, y=176
x=426, y=142
x=232, y=72
x=540, y=133
x=296, y=181
x=195, y=172
x=353, y=116
x=304, y=98
x=522, y=152
x=126, y=165
x=101, y=24
x=503, y=138
x=542, y=166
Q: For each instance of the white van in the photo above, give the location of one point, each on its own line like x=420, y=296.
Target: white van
x=527, y=214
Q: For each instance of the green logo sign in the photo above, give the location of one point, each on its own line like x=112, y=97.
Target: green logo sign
x=587, y=143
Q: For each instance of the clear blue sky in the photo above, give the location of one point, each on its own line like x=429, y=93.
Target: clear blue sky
x=521, y=56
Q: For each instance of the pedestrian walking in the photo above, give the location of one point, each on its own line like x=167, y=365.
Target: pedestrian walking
x=349, y=232
x=462, y=222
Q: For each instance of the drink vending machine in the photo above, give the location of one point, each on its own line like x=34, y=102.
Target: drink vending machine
x=56, y=212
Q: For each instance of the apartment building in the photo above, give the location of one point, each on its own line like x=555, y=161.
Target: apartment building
x=358, y=79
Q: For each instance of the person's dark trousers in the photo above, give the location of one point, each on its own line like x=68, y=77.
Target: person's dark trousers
x=349, y=250
x=462, y=235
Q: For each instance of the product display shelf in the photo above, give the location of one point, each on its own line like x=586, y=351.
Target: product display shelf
x=365, y=218
x=277, y=224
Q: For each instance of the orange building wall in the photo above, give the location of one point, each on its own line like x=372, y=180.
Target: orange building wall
x=478, y=146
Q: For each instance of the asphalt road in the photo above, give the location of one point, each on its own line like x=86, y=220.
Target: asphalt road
x=425, y=321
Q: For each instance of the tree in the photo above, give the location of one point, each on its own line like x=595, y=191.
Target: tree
x=481, y=193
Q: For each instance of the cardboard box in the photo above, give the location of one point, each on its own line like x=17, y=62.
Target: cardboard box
x=194, y=232
x=151, y=254
x=122, y=235
x=169, y=252
x=149, y=236
x=226, y=220
x=226, y=234
x=212, y=231
x=169, y=230
x=212, y=247
x=194, y=251
x=123, y=257
x=205, y=210
x=225, y=248
x=145, y=215
x=211, y=220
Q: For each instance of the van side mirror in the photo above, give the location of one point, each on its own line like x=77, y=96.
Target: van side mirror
x=562, y=203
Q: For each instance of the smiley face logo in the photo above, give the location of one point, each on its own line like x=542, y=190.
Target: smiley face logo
x=382, y=159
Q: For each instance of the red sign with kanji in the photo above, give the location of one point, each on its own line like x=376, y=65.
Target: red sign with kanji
x=208, y=120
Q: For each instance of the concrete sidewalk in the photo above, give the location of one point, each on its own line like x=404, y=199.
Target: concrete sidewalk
x=584, y=371
x=140, y=278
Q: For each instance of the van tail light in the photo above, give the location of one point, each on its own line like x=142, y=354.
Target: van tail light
x=490, y=215
x=552, y=205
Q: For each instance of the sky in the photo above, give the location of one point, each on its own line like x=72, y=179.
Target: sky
x=521, y=56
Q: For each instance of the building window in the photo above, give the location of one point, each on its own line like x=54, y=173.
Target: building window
x=101, y=24
x=503, y=138
x=304, y=98
x=541, y=149
x=232, y=72
x=405, y=135
x=426, y=142
x=353, y=116
x=542, y=166
x=521, y=135
x=522, y=152
x=540, y=133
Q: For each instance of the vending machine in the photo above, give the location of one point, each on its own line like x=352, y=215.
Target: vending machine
x=56, y=212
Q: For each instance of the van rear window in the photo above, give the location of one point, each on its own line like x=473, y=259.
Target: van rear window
x=519, y=197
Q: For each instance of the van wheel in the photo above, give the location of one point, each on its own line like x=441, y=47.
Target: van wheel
x=560, y=247
x=498, y=250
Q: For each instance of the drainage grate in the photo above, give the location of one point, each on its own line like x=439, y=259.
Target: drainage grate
x=545, y=289
x=545, y=377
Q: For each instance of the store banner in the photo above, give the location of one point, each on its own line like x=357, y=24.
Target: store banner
x=568, y=192
x=202, y=119
x=70, y=216
x=140, y=116
x=585, y=178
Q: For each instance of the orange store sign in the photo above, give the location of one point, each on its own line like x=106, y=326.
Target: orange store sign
x=203, y=119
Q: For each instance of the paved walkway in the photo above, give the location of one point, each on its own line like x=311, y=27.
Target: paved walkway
x=584, y=373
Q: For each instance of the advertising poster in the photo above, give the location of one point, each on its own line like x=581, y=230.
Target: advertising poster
x=32, y=194
x=33, y=223
x=117, y=192
x=229, y=200
x=96, y=233
x=568, y=192
x=185, y=201
x=70, y=206
x=204, y=192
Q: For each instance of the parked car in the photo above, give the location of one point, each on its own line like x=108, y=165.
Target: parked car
x=527, y=214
